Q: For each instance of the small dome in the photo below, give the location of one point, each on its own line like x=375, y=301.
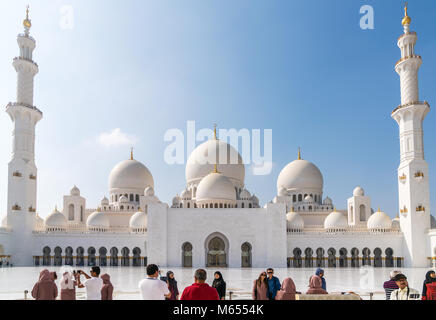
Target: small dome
x=123, y=199
x=176, y=200
x=56, y=220
x=216, y=186
x=105, y=201
x=294, y=221
x=97, y=219
x=328, y=201
x=130, y=174
x=396, y=223
x=308, y=199
x=358, y=192
x=282, y=192
x=149, y=192
x=255, y=199
x=301, y=175
x=75, y=191
x=335, y=220
x=185, y=194
x=138, y=220
x=245, y=194
x=379, y=220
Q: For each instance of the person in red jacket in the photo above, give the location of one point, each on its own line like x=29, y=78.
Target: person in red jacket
x=200, y=290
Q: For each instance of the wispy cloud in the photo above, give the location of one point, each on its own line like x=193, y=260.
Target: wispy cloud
x=116, y=138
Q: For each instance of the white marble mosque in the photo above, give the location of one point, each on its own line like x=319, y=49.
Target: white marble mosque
x=300, y=227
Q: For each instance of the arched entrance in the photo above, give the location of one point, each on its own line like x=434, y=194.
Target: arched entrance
x=46, y=259
x=378, y=263
x=91, y=256
x=114, y=257
x=58, y=256
x=297, y=258
x=102, y=257
x=331, y=258
x=308, y=260
x=246, y=255
x=187, y=255
x=216, y=250
x=136, y=257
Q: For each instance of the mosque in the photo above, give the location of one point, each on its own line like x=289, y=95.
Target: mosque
x=300, y=227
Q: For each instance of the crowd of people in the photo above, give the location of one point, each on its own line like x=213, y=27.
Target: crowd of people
x=157, y=287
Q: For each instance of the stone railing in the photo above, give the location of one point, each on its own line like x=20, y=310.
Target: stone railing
x=411, y=104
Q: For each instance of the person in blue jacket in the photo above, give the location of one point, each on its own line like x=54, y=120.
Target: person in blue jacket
x=320, y=273
x=273, y=284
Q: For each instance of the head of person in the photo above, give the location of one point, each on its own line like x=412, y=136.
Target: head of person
x=106, y=278
x=262, y=277
x=315, y=282
x=218, y=275
x=270, y=272
x=319, y=272
x=200, y=276
x=53, y=275
x=95, y=272
x=430, y=276
x=394, y=273
x=170, y=275
x=401, y=281
x=152, y=271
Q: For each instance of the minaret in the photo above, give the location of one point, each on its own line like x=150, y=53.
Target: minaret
x=413, y=186
x=22, y=175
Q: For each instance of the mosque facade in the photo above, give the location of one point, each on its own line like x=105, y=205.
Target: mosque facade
x=216, y=221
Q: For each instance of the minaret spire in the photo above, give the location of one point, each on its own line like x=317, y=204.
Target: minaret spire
x=406, y=20
x=131, y=153
x=214, y=132
x=299, y=153
x=27, y=23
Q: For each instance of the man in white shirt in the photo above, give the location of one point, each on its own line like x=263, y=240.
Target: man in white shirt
x=152, y=288
x=404, y=292
x=93, y=284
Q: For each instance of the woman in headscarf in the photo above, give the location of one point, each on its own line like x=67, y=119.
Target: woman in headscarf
x=220, y=285
x=53, y=275
x=288, y=290
x=260, y=288
x=108, y=289
x=68, y=287
x=315, y=286
x=320, y=273
x=45, y=288
x=172, y=286
x=430, y=277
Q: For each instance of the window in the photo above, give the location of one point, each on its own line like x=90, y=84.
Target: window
x=71, y=212
x=137, y=198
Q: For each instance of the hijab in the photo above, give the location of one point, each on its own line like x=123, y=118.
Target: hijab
x=44, y=275
x=106, y=278
x=428, y=278
x=171, y=281
x=319, y=271
x=288, y=290
x=219, y=280
x=53, y=275
x=67, y=281
x=315, y=286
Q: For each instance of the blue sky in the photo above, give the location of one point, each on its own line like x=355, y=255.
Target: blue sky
x=304, y=69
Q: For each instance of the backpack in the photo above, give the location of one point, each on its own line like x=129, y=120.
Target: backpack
x=431, y=291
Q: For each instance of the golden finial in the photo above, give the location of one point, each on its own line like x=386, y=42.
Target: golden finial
x=378, y=209
x=214, y=131
x=98, y=209
x=335, y=209
x=215, y=168
x=299, y=153
x=27, y=23
x=131, y=153
x=406, y=20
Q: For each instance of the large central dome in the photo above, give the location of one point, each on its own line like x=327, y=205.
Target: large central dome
x=130, y=174
x=300, y=175
x=202, y=159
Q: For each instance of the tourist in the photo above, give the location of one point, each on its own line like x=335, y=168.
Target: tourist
x=288, y=290
x=93, y=284
x=108, y=289
x=390, y=285
x=53, y=275
x=404, y=292
x=68, y=287
x=273, y=284
x=151, y=287
x=200, y=290
x=315, y=286
x=220, y=285
x=172, y=286
x=320, y=273
x=45, y=288
x=260, y=287
x=430, y=278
